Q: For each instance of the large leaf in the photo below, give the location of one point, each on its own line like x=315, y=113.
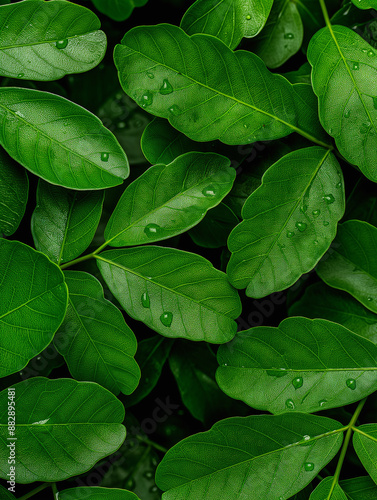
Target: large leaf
x=236, y=100
x=14, y=188
x=169, y=199
x=47, y=40
x=321, y=301
x=59, y=141
x=63, y=427
x=178, y=294
x=289, y=222
x=94, y=339
x=365, y=444
x=352, y=265
x=64, y=222
x=328, y=489
x=33, y=304
x=303, y=365
x=360, y=488
x=249, y=458
x=229, y=20
x=119, y=10
x=96, y=493
x=343, y=65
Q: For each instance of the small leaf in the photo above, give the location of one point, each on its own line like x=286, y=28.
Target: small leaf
x=176, y=293
x=64, y=222
x=47, y=40
x=169, y=199
x=68, y=425
x=359, y=488
x=96, y=493
x=267, y=456
x=303, y=365
x=32, y=307
x=4, y=493
x=328, y=490
x=119, y=10
x=365, y=444
x=365, y=4
x=59, y=141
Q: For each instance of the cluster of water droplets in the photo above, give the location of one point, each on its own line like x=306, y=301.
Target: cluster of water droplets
x=166, y=317
x=166, y=88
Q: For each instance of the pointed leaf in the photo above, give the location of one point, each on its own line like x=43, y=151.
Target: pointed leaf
x=96, y=493
x=329, y=490
x=169, y=199
x=365, y=444
x=289, y=222
x=266, y=457
x=178, y=294
x=119, y=10
x=33, y=304
x=303, y=365
x=63, y=427
x=59, y=141
x=365, y=4
x=359, y=488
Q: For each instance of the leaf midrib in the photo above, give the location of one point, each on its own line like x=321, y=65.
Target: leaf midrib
x=9, y=47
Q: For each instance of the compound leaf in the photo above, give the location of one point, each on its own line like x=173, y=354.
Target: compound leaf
x=326, y=490
x=96, y=493
x=365, y=444
x=119, y=10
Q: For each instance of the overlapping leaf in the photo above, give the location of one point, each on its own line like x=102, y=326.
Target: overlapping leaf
x=63, y=427
x=178, y=294
x=5, y=494
x=359, y=488
x=328, y=489
x=365, y=444
x=119, y=10
x=365, y=4
x=266, y=457
x=47, y=40
x=33, y=304
x=289, y=222
x=303, y=365
x=59, y=141
x=96, y=493
x=169, y=199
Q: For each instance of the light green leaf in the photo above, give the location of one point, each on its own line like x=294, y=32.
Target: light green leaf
x=63, y=427
x=302, y=365
x=119, y=10
x=266, y=456
x=59, y=141
x=238, y=101
x=96, y=493
x=360, y=488
x=32, y=307
x=169, y=199
x=328, y=490
x=321, y=301
x=289, y=222
x=282, y=36
x=94, y=339
x=229, y=20
x=365, y=4
x=64, y=222
x=14, y=189
x=351, y=266
x=176, y=293
x=365, y=444
x=343, y=66
x=47, y=40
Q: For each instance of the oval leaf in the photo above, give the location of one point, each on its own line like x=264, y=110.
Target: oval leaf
x=365, y=444
x=365, y=4
x=289, y=222
x=59, y=140
x=328, y=489
x=68, y=425
x=303, y=365
x=360, y=488
x=96, y=493
x=47, y=40
x=119, y=10
x=33, y=304
x=178, y=294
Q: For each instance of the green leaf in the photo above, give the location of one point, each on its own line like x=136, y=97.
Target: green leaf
x=289, y=222
x=169, y=199
x=327, y=490
x=14, y=189
x=119, y=10
x=266, y=457
x=301, y=75
x=176, y=293
x=321, y=301
x=359, y=488
x=362, y=202
x=96, y=493
x=228, y=20
x=64, y=222
x=342, y=67
x=238, y=101
x=47, y=40
x=94, y=339
x=307, y=110
x=59, y=141
x=351, y=266
x=63, y=427
x=365, y=444
x=365, y=4
x=302, y=365
x=282, y=36
x=33, y=304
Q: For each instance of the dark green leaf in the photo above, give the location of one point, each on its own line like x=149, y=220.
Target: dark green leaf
x=360, y=488
x=365, y=444
x=119, y=10
x=5, y=494
x=301, y=75
x=328, y=488
x=96, y=493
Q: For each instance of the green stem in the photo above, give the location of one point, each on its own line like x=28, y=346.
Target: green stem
x=35, y=491
x=55, y=491
x=151, y=443
x=77, y=261
x=325, y=13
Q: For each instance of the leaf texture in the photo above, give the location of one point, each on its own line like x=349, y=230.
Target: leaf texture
x=365, y=444
x=119, y=10
x=329, y=490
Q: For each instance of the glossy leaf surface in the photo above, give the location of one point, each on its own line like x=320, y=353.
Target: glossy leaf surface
x=326, y=489
x=96, y=493
x=365, y=444
x=365, y=4
x=119, y=10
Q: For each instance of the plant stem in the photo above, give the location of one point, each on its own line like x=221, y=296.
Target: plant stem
x=35, y=491
x=55, y=490
x=77, y=261
x=325, y=13
x=151, y=443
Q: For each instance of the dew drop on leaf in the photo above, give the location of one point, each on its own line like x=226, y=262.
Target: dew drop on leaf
x=151, y=230
x=150, y=75
x=209, y=191
x=326, y=223
x=304, y=208
x=278, y=373
x=316, y=213
x=364, y=128
x=347, y=114
x=20, y=75
x=315, y=242
x=339, y=185
x=370, y=53
x=146, y=99
x=148, y=474
x=245, y=125
x=175, y=110
x=166, y=318
x=329, y=198
x=351, y=384
x=61, y=44
x=145, y=301
x=105, y=156
x=248, y=17
x=298, y=382
x=306, y=437
x=301, y=226
x=308, y=466
x=290, y=404
x=166, y=88
x=289, y=36
x=290, y=234
x=322, y=402
x=355, y=66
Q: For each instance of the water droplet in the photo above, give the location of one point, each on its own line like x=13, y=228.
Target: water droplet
x=146, y=99
x=61, y=44
x=290, y=404
x=20, y=75
x=351, y=384
x=370, y=53
x=121, y=125
x=298, y=382
x=245, y=125
x=290, y=234
x=347, y=114
x=145, y=301
x=225, y=364
x=364, y=128
x=304, y=208
x=166, y=88
x=278, y=373
x=130, y=484
x=301, y=226
x=209, y=191
x=150, y=75
x=289, y=36
x=308, y=466
x=105, y=156
x=322, y=403
x=175, y=110
x=330, y=131
x=153, y=489
x=18, y=113
x=248, y=17
x=369, y=299
x=315, y=242
x=375, y=102
x=339, y=185
x=326, y=223
x=151, y=230
x=306, y=437
x=316, y=213
x=329, y=198
x=166, y=318
x=148, y=474
x=355, y=66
